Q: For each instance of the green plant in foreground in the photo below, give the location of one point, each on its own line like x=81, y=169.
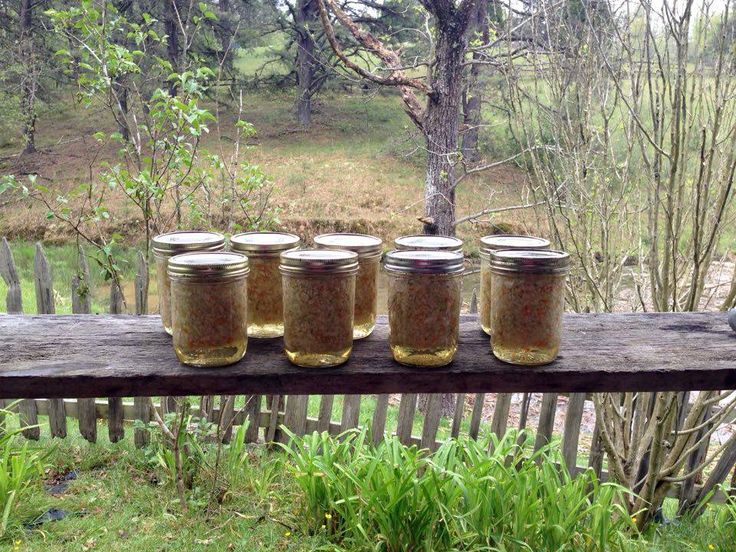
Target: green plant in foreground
x=19, y=466
x=462, y=497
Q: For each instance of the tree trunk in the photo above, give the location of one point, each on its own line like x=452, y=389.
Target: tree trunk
x=29, y=81
x=119, y=87
x=305, y=24
x=441, y=125
x=171, y=26
x=473, y=91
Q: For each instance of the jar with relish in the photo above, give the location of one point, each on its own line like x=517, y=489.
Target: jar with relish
x=209, y=307
x=265, y=294
x=528, y=297
x=424, y=300
x=369, y=252
x=166, y=246
x=319, y=304
x=488, y=244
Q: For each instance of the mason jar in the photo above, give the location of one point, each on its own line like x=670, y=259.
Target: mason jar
x=319, y=302
x=429, y=243
x=369, y=252
x=424, y=299
x=265, y=294
x=489, y=244
x=528, y=297
x=166, y=246
x=209, y=307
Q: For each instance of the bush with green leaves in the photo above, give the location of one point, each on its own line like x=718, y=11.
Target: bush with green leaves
x=20, y=466
x=462, y=497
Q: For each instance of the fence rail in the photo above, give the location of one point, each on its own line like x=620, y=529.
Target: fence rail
x=45, y=359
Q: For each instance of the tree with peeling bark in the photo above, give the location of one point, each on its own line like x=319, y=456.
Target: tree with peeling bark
x=29, y=82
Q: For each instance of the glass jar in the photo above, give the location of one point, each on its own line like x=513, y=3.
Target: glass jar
x=528, y=297
x=424, y=299
x=369, y=252
x=319, y=301
x=209, y=307
x=489, y=244
x=166, y=246
x=424, y=242
x=265, y=294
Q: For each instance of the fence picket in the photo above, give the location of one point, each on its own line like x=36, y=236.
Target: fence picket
x=325, y=413
x=431, y=422
x=225, y=417
x=546, y=420
x=115, y=429
x=476, y=416
x=295, y=416
x=457, y=418
x=253, y=415
x=9, y=273
x=350, y=412
x=407, y=408
x=501, y=414
x=273, y=418
x=571, y=432
x=378, y=426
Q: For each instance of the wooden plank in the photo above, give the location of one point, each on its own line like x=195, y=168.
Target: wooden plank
x=501, y=414
x=141, y=437
x=29, y=419
x=131, y=356
x=378, y=426
x=350, y=412
x=273, y=418
x=253, y=414
x=431, y=421
x=571, y=432
x=405, y=423
x=457, y=418
x=9, y=273
x=475, y=417
x=325, y=412
x=546, y=420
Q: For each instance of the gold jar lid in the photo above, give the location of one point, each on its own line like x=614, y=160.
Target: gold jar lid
x=184, y=241
x=424, y=262
x=319, y=261
x=366, y=246
x=264, y=243
x=208, y=266
x=429, y=243
x=539, y=261
x=498, y=242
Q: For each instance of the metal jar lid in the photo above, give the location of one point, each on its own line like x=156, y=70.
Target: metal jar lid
x=539, y=261
x=424, y=262
x=208, y=266
x=367, y=247
x=429, y=243
x=508, y=241
x=319, y=261
x=264, y=243
x=184, y=241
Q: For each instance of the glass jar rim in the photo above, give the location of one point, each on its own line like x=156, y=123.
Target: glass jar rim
x=426, y=242
x=497, y=242
x=184, y=241
x=364, y=245
x=264, y=243
x=424, y=262
x=208, y=265
x=530, y=261
x=318, y=261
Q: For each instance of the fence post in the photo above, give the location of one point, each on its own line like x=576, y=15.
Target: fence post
x=405, y=424
x=431, y=422
x=325, y=413
x=14, y=299
x=350, y=412
x=571, y=433
x=82, y=304
x=475, y=417
x=546, y=420
x=253, y=414
x=378, y=427
x=141, y=405
x=295, y=416
x=115, y=404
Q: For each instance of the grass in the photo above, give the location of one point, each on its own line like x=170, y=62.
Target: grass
x=120, y=501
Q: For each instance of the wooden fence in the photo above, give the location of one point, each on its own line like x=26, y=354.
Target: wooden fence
x=266, y=414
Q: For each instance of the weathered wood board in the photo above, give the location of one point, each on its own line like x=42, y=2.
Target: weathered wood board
x=123, y=356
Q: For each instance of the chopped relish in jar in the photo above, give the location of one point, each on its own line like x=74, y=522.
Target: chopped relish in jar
x=368, y=249
x=528, y=297
x=209, y=301
x=424, y=300
x=265, y=294
x=319, y=301
x=488, y=244
x=166, y=246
